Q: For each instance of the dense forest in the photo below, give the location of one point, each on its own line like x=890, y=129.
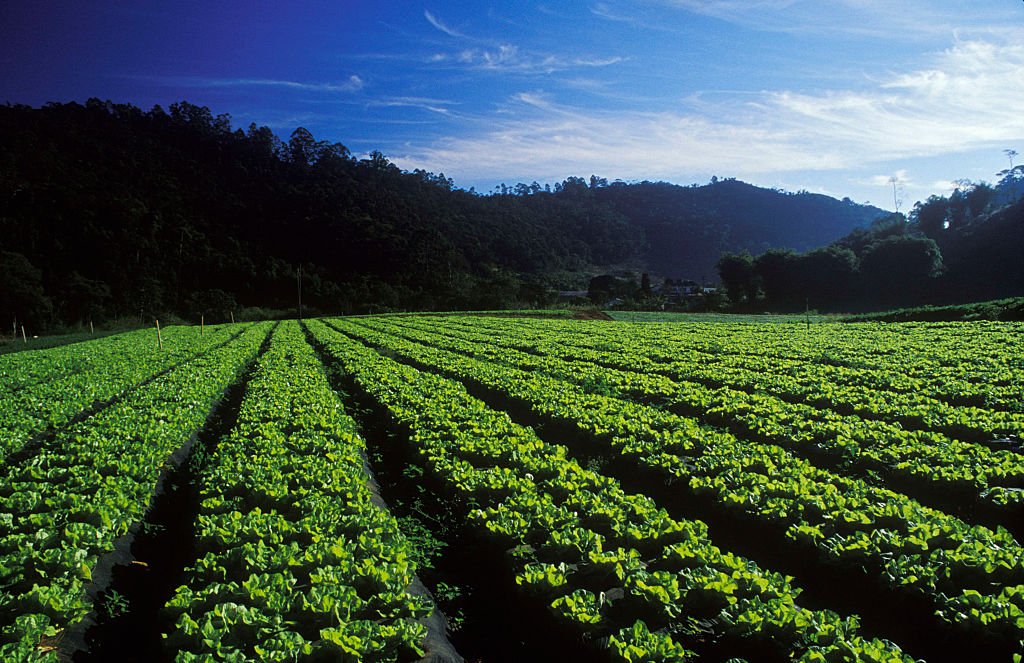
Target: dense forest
x=966, y=247
x=108, y=211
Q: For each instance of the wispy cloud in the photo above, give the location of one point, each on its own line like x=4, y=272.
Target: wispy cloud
x=437, y=23
x=503, y=56
x=557, y=140
x=968, y=97
x=511, y=59
x=439, y=106
x=352, y=84
x=872, y=18
x=900, y=177
x=631, y=17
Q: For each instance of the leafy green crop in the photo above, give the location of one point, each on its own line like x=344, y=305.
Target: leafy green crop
x=536, y=498
x=69, y=504
x=295, y=559
x=846, y=520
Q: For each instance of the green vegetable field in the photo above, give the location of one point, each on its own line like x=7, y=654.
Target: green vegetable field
x=446, y=488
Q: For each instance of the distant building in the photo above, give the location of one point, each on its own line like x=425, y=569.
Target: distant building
x=677, y=290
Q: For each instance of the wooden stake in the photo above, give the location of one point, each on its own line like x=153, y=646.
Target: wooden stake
x=23, y=337
x=91, y=329
x=202, y=325
x=232, y=317
x=159, y=338
x=298, y=275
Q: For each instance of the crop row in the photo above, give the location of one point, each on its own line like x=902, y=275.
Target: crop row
x=904, y=357
x=921, y=361
x=65, y=507
x=943, y=467
x=20, y=369
x=973, y=575
x=606, y=562
x=74, y=378
x=950, y=406
x=295, y=559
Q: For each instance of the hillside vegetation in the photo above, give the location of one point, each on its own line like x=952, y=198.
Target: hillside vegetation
x=951, y=250
x=108, y=211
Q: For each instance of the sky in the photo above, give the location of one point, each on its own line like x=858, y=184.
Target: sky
x=841, y=97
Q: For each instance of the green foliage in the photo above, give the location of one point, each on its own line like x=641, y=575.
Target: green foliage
x=738, y=277
x=284, y=499
x=295, y=558
x=113, y=604
x=572, y=531
x=22, y=297
x=69, y=500
x=846, y=520
x=1000, y=309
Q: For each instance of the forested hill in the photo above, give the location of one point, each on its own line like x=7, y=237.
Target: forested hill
x=692, y=226
x=107, y=210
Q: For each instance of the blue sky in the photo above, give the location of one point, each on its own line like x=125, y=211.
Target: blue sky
x=831, y=96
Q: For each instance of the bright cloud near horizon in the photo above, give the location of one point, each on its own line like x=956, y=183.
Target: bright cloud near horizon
x=843, y=97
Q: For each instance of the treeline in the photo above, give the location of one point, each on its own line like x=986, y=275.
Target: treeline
x=109, y=211
x=949, y=250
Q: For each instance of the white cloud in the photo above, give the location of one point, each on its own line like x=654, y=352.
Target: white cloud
x=900, y=176
x=967, y=98
x=439, y=106
x=436, y=22
x=944, y=185
x=558, y=140
x=509, y=58
x=878, y=18
x=352, y=84
x=597, y=62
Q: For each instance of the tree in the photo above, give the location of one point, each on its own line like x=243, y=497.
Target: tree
x=22, y=297
x=85, y=299
x=931, y=216
x=736, y=271
x=898, y=269
x=969, y=201
x=215, y=305
x=264, y=142
x=302, y=147
x=1010, y=154
x=777, y=271
x=380, y=163
x=601, y=288
x=608, y=286
x=897, y=192
x=828, y=276
x=1011, y=184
